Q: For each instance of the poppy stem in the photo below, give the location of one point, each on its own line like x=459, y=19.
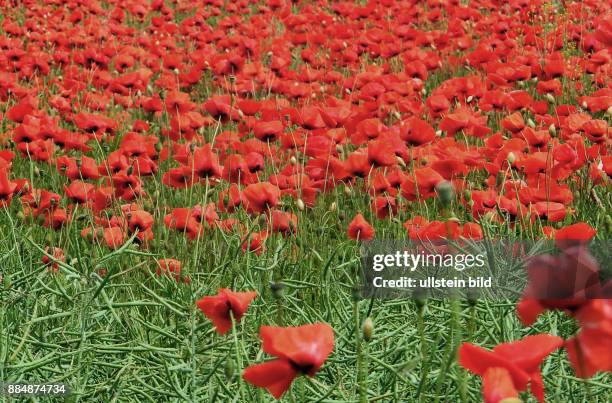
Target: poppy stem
x=236, y=350
x=361, y=382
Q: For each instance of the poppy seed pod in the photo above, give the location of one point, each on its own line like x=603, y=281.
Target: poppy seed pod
x=445, y=192
x=367, y=329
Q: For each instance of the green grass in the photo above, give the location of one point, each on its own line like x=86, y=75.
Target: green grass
x=133, y=336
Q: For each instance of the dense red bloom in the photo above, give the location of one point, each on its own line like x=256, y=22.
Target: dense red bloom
x=300, y=350
x=519, y=360
x=417, y=132
x=259, y=197
x=221, y=307
x=268, y=131
x=422, y=184
x=360, y=229
x=204, y=162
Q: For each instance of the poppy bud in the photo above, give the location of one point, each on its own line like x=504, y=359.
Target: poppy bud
x=333, y=207
x=293, y=160
x=511, y=158
x=347, y=191
x=277, y=288
x=550, y=97
x=300, y=204
x=20, y=215
x=36, y=171
x=469, y=99
x=531, y=123
x=552, y=130
x=511, y=400
x=368, y=329
x=130, y=170
x=445, y=192
x=401, y=161
x=609, y=111
x=439, y=133
x=585, y=105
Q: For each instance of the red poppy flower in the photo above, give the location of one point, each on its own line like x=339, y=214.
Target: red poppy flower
x=58, y=256
x=283, y=222
x=221, y=307
x=497, y=386
x=260, y=197
x=422, y=183
x=520, y=360
x=300, y=350
x=182, y=219
x=205, y=162
x=589, y=351
x=360, y=229
x=114, y=237
x=7, y=189
x=566, y=281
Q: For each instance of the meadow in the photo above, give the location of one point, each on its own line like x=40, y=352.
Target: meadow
x=186, y=187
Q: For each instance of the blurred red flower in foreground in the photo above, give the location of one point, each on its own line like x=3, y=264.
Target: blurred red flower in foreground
x=589, y=351
x=510, y=367
x=220, y=308
x=300, y=350
x=566, y=282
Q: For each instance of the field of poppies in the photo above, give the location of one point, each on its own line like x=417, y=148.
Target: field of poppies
x=185, y=187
